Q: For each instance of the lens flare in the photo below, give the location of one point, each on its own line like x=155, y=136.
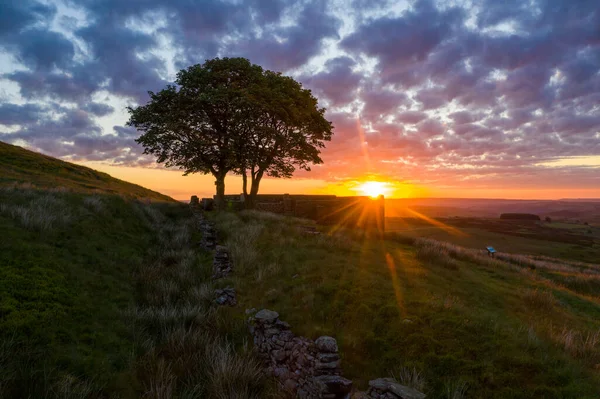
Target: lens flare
x=374, y=188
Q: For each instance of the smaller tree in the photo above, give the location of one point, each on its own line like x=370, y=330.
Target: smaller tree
x=548, y=219
x=287, y=131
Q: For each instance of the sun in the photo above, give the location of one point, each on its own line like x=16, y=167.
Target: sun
x=374, y=188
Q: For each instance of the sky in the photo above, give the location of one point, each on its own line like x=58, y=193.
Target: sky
x=487, y=98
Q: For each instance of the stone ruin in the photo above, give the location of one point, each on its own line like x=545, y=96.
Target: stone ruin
x=388, y=388
x=209, y=235
x=309, y=369
x=304, y=368
x=226, y=297
x=221, y=264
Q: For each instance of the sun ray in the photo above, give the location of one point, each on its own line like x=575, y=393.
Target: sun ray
x=437, y=223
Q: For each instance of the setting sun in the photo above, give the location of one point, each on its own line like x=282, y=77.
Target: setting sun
x=374, y=188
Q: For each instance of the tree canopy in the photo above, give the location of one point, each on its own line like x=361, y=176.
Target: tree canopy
x=228, y=115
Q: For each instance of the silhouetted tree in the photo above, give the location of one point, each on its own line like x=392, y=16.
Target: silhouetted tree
x=228, y=115
x=286, y=132
x=548, y=219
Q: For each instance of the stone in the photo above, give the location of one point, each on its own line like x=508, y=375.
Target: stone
x=290, y=385
x=335, y=383
x=326, y=344
x=281, y=372
x=392, y=386
x=283, y=325
x=328, y=357
x=279, y=355
x=328, y=366
x=266, y=316
x=271, y=331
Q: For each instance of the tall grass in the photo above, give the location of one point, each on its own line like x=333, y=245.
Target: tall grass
x=410, y=377
x=38, y=213
x=584, y=345
x=187, y=349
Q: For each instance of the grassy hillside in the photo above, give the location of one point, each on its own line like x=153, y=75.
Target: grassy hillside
x=106, y=296
x=445, y=319
x=21, y=166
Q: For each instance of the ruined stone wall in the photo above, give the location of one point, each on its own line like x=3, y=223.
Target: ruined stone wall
x=222, y=265
x=305, y=369
x=312, y=369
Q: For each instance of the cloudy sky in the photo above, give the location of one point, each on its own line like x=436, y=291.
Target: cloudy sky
x=449, y=98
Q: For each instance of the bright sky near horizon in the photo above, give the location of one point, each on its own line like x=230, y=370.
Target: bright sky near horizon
x=433, y=98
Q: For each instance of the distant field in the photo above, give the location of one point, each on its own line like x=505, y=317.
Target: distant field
x=466, y=325
x=563, y=240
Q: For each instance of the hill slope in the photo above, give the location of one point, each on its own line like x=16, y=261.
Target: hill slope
x=18, y=166
x=104, y=295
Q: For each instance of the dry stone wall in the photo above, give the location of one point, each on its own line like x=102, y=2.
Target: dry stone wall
x=222, y=266
x=305, y=369
x=226, y=297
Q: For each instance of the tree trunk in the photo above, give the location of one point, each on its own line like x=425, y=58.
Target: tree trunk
x=254, y=184
x=220, y=200
x=245, y=184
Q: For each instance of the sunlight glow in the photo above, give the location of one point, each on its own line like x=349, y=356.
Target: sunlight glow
x=374, y=188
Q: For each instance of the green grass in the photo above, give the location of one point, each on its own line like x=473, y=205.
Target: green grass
x=480, y=238
x=63, y=287
x=492, y=328
x=19, y=166
x=104, y=292
x=113, y=299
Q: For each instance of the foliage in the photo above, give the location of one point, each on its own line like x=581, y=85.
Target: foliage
x=230, y=115
x=287, y=131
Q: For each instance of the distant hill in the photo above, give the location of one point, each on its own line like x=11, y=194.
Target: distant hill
x=21, y=166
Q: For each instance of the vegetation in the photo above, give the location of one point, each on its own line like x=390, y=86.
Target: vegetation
x=568, y=241
x=29, y=169
x=228, y=115
x=519, y=216
x=103, y=295
x=450, y=319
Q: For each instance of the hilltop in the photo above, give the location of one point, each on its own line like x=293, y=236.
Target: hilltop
x=21, y=166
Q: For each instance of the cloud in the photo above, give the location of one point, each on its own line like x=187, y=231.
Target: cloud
x=284, y=47
x=99, y=109
x=14, y=114
x=16, y=15
x=417, y=92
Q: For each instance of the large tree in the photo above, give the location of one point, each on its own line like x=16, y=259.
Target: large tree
x=228, y=115
x=287, y=131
